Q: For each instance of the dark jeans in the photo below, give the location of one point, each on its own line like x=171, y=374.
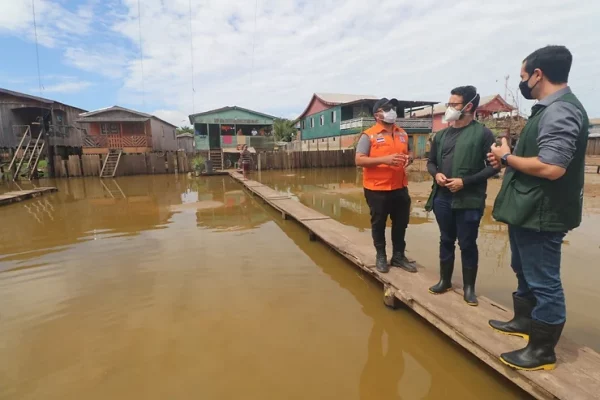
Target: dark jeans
x=457, y=224
x=536, y=261
x=396, y=204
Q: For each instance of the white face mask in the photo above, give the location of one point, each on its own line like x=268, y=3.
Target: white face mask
x=452, y=114
x=389, y=117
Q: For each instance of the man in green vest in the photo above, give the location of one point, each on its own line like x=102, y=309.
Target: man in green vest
x=457, y=162
x=541, y=200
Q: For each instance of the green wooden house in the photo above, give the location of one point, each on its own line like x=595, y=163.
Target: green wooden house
x=219, y=132
x=333, y=120
x=227, y=127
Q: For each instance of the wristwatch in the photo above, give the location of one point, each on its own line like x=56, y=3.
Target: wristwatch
x=504, y=159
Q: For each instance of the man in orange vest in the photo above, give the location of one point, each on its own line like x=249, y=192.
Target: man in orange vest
x=383, y=151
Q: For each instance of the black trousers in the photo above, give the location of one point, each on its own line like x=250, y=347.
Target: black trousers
x=396, y=204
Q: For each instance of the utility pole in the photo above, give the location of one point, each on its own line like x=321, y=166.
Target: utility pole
x=506, y=87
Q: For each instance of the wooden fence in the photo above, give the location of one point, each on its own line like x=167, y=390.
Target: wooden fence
x=130, y=164
x=593, y=147
x=304, y=159
x=156, y=163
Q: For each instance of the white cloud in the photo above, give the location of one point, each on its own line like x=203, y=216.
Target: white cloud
x=106, y=60
x=401, y=48
x=177, y=118
x=66, y=87
x=56, y=25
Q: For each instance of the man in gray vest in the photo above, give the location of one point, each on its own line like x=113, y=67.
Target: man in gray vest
x=457, y=163
x=541, y=200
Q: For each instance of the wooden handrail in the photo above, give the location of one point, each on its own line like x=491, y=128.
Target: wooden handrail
x=27, y=131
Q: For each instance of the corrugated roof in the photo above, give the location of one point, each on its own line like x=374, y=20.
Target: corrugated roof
x=92, y=116
x=35, y=98
x=227, y=108
x=341, y=98
x=113, y=108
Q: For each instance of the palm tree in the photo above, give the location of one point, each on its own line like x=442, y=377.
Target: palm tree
x=283, y=129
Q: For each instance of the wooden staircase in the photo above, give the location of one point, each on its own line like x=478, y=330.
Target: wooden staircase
x=216, y=156
x=111, y=163
x=27, y=156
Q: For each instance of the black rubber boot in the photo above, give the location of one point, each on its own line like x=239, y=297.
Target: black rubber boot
x=381, y=263
x=539, y=352
x=399, y=260
x=445, y=283
x=469, y=278
x=520, y=325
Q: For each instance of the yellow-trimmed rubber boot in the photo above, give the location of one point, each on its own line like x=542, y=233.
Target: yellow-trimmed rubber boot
x=520, y=325
x=539, y=352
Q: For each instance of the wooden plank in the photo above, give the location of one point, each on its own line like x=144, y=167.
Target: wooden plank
x=91, y=164
x=17, y=196
x=74, y=166
x=171, y=157
x=578, y=373
x=296, y=209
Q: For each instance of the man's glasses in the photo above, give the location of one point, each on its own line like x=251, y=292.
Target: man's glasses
x=388, y=107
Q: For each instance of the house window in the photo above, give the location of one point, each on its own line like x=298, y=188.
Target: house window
x=303, y=124
x=312, y=122
x=322, y=120
x=110, y=129
x=333, y=117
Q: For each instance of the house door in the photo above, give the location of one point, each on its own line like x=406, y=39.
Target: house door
x=214, y=136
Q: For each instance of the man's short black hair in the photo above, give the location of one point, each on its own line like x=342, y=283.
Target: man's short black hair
x=468, y=94
x=554, y=61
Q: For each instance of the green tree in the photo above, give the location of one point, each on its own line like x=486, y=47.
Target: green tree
x=185, y=129
x=283, y=129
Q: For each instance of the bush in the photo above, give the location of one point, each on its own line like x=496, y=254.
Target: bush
x=198, y=163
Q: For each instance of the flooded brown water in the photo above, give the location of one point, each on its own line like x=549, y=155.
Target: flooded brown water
x=338, y=194
x=172, y=288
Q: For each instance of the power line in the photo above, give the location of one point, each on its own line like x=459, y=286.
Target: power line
x=253, y=42
x=192, y=60
x=37, y=50
x=141, y=53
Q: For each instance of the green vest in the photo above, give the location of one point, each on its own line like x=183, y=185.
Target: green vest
x=469, y=158
x=537, y=203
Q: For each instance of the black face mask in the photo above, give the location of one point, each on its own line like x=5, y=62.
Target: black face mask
x=526, y=90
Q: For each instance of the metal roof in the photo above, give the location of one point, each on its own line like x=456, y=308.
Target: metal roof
x=93, y=116
x=341, y=98
x=227, y=108
x=35, y=98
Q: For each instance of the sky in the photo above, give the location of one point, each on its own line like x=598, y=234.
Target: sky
x=172, y=58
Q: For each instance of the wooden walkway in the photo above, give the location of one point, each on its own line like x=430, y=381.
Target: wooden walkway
x=12, y=197
x=577, y=375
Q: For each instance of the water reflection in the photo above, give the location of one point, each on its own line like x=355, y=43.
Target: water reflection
x=405, y=357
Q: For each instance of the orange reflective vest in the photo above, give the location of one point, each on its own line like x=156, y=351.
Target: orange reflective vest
x=385, y=177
